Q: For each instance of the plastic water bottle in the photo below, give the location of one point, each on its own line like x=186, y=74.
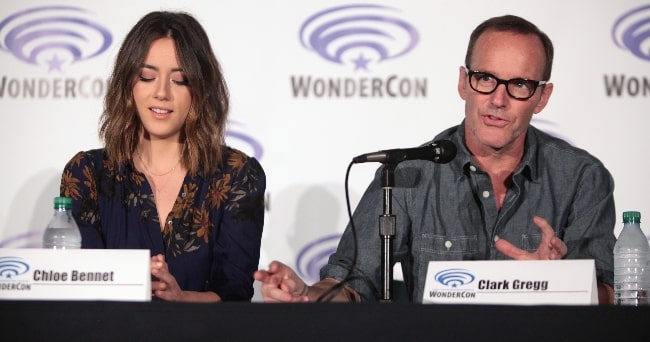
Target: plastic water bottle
x=62, y=232
x=632, y=263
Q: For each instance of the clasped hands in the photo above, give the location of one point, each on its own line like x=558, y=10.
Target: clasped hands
x=165, y=287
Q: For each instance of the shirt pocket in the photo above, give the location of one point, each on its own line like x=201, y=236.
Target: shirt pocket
x=530, y=242
x=449, y=247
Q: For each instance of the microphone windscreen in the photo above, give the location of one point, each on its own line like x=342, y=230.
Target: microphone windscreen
x=446, y=151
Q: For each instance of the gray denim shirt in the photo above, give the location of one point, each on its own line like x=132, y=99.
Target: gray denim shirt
x=448, y=212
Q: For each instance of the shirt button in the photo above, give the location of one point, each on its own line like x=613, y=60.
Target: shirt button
x=496, y=238
x=183, y=195
x=486, y=194
x=472, y=168
x=448, y=244
x=170, y=222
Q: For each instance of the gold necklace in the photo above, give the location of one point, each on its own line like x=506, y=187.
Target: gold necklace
x=146, y=169
x=156, y=188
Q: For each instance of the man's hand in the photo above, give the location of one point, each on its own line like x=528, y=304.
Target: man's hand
x=550, y=248
x=280, y=284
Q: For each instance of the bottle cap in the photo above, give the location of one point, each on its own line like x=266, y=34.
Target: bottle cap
x=62, y=202
x=631, y=216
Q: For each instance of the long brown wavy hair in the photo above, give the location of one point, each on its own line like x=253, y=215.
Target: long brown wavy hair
x=204, y=131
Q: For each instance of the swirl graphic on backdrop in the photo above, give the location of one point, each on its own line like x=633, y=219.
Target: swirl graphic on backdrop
x=631, y=31
x=314, y=256
x=358, y=34
x=249, y=141
x=24, y=240
x=550, y=127
x=12, y=266
x=454, y=277
x=53, y=36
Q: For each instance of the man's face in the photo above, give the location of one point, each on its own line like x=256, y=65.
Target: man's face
x=496, y=121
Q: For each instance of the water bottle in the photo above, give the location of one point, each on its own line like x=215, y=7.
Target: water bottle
x=62, y=232
x=632, y=263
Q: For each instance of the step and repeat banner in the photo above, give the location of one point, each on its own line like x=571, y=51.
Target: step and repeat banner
x=305, y=106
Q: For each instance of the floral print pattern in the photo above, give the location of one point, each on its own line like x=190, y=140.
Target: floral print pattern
x=214, y=227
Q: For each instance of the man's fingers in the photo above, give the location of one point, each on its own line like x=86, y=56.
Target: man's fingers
x=510, y=250
x=559, y=247
x=544, y=226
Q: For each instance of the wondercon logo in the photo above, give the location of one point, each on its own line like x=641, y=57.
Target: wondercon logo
x=315, y=255
x=454, y=277
x=632, y=32
x=11, y=267
x=53, y=36
x=358, y=35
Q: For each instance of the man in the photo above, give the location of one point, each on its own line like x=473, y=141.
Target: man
x=512, y=192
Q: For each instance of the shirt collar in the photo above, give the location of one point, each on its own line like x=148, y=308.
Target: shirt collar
x=461, y=163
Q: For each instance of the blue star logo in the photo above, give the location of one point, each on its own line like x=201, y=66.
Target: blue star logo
x=361, y=62
x=55, y=63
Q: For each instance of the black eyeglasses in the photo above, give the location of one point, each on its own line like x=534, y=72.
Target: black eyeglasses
x=517, y=88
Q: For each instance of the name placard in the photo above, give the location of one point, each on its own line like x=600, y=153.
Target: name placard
x=534, y=282
x=75, y=274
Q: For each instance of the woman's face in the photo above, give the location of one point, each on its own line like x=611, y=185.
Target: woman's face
x=161, y=92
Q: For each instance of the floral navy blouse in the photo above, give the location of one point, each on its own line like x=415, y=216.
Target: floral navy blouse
x=211, y=240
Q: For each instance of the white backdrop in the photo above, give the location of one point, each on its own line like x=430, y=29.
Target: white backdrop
x=305, y=139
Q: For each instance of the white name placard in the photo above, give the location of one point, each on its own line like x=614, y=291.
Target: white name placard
x=75, y=274
x=518, y=282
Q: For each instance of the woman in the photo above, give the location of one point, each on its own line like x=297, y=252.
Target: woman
x=165, y=180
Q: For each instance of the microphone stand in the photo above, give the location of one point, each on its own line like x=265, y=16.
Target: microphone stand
x=387, y=232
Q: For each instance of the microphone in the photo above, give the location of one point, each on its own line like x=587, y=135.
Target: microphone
x=441, y=151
